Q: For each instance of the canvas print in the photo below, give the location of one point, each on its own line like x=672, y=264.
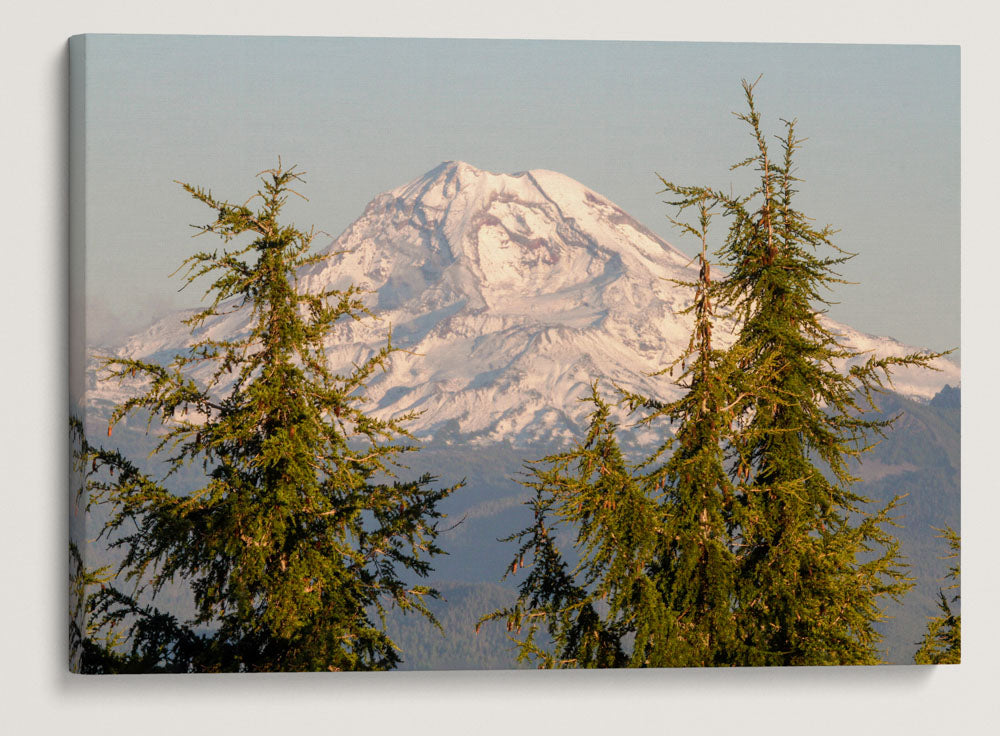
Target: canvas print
x=477, y=354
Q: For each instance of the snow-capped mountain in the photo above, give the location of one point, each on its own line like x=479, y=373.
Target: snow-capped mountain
x=510, y=294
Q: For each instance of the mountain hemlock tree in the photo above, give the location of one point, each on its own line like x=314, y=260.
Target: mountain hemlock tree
x=695, y=566
x=300, y=536
x=942, y=644
x=587, y=611
x=655, y=582
x=813, y=562
x=760, y=551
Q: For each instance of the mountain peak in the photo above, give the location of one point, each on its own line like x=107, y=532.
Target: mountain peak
x=511, y=294
x=451, y=180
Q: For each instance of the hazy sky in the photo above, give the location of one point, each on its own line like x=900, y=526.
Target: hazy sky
x=362, y=116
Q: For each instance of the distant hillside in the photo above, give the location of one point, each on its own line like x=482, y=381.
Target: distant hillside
x=457, y=645
x=919, y=457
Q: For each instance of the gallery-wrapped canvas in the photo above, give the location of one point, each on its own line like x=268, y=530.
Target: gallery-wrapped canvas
x=478, y=354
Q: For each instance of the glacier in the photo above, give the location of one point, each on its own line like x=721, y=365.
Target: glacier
x=508, y=294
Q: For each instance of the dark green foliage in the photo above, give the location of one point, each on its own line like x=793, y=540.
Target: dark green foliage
x=749, y=546
x=696, y=565
x=942, y=643
x=655, y=583
x=299, y=537
x=589, y=490
x=814, y=560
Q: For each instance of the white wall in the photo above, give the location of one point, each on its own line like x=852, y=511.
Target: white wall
x=38, y=696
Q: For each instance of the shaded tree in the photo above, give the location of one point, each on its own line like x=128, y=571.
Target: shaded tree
x=942, y=644
x=580, y=615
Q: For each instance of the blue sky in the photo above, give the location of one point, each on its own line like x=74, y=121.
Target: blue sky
x=365, y=115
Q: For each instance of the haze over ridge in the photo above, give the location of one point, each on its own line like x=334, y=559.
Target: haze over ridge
x=510, y=294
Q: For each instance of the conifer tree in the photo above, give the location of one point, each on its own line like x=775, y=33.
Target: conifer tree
x=654, y=586
x=586, y=610
x=942, y=644
x=301, y=536
x=695, y=566
x=813, y=561
x=748, y=546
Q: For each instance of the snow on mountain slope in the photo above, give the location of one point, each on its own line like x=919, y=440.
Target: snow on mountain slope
x=510, y=294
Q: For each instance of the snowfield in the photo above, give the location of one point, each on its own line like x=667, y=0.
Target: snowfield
x=510, y=294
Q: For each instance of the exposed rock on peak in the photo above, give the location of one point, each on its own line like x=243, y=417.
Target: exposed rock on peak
x=511, y=294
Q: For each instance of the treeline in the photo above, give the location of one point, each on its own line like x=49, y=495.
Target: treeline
x=739, y=542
